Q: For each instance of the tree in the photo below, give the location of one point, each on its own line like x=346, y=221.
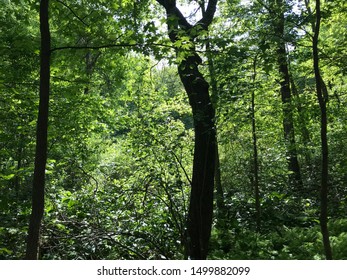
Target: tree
x=255, y=168
x=182, y=34
x=38, y=191
x=322, y=96
x=220, y=205
x=278, y=13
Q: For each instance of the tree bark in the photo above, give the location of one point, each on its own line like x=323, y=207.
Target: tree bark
x=38, y=190
x=322, y=100
x=199, y=222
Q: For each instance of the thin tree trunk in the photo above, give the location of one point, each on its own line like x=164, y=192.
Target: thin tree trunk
x=302, y=118
x=17, y=179
x=90, y=61
x=32, y=248
x=199, y=222
x=322, y=100
x=221, y=211
x=219, y=188
x=295, y=179
x=255, y=154
x=305, y=134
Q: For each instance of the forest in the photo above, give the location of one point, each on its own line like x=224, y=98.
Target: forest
x=164, y=129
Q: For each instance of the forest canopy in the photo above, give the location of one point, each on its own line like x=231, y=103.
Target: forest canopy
x=163, y=129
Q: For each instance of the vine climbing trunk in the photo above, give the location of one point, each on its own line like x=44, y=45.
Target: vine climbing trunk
x=199, y=222
x=32, y=249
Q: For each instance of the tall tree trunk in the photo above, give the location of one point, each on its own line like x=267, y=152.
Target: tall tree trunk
x=221, y=211
x=255, y=153
x=305, y=134
x=295, y=179
x=38, y=190
x=301, y=112
x=214, y=97
x=302, y=118
x=322, y=100
x=199, y=222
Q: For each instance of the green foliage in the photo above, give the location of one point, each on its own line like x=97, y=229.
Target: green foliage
x=121, y=132
x=125, y=195
x=295, y=243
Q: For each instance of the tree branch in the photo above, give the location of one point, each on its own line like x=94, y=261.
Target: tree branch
x=208, y=15
x=65, y=5
x=172, y=10
x=120, y=45
x=182, y=167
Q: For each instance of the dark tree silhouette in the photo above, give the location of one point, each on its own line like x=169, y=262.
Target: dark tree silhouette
x=295, y=179
x=38, y=190
x=322, y=96
x=200, y=212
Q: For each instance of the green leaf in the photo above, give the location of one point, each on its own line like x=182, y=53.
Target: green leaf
x=4, y=251
x=7, y=177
